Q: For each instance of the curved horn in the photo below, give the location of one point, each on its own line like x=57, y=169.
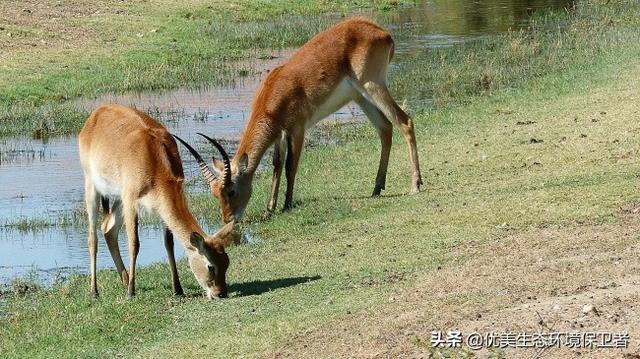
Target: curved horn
x=206, y=172
x=227, y=164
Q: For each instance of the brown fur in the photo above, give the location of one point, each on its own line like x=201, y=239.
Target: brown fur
x=138, y=160
x=356, y=51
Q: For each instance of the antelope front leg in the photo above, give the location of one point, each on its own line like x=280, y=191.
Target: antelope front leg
x=385, y=132
x=131, y=223
x=294, y=144
x=91, y=199
x=385, y=140
x=279, y=150
x=168, y=244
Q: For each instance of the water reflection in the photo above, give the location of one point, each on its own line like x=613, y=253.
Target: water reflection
x=468, y=18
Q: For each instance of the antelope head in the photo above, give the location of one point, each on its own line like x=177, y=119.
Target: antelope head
x=210, y=267
x=229, y=183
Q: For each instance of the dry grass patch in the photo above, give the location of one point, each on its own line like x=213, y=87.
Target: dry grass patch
x=538, y=281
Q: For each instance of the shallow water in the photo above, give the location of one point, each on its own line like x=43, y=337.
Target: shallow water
x=220, y=111
x=27, y=175
x=43, y=180
x=52, y=254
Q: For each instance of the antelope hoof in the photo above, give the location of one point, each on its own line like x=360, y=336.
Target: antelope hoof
x=271, y=207
x=415, y=188
x=178, y=292
x=376, y=191
x=131, y=292
x=94, y=294
x=267, y=214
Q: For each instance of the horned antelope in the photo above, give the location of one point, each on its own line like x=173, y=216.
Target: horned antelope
x=347, y=62
x=131, y=159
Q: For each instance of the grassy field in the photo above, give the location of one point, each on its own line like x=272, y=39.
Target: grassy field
x=529, y=154
x=51, y=53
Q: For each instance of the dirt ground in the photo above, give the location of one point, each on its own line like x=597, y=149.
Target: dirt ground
x=537, y=282
x=46, y=24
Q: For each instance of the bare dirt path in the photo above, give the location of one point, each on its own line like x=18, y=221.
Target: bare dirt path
x=538, y=281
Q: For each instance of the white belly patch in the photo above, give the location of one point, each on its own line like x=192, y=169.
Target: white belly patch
x=341, y=95
x=112, y=190
x=104, y=185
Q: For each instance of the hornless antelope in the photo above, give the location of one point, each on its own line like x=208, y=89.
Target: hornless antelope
x=347, y=62
x=130, y=158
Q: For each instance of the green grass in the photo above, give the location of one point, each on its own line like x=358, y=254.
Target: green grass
x=340, y=252
x=27, y=224
x=552, y=44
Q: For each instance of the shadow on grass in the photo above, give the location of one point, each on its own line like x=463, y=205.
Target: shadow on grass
x=262, y=286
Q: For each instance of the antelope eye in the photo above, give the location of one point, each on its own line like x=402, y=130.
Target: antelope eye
x=231, y=193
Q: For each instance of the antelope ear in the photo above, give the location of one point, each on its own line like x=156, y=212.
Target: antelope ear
x=196, y=240
x=218, y=166
x=244, y=162
x=228, y=234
